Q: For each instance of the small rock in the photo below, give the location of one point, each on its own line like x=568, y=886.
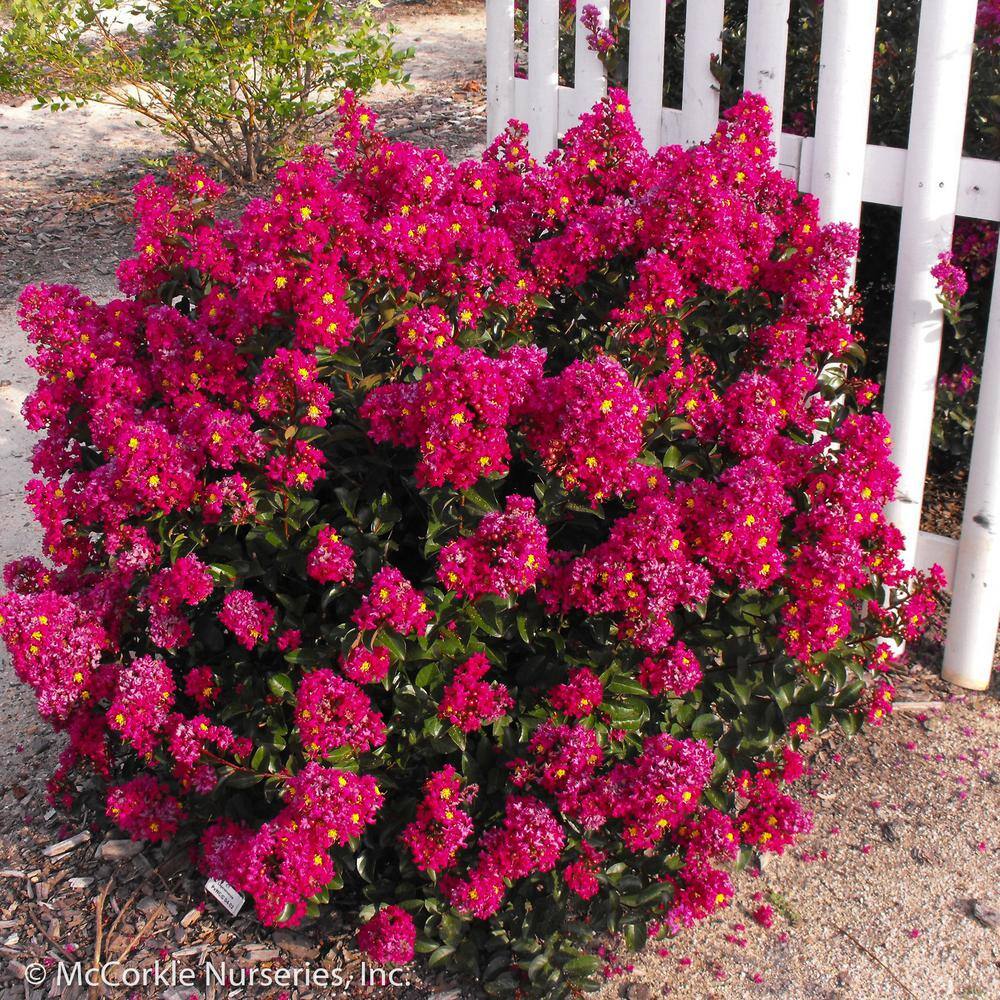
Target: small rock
x=143, y=864
x=296, y=945
x=119, y=850
x=890, y=833
x=987, y=915
x=80, y=883
x=639, y=991
x=261, y=953
x=65, y=846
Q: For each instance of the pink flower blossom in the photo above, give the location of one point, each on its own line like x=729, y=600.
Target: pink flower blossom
x=469, y=702
x=388, y=938
x=248, y=619
x=331, y=561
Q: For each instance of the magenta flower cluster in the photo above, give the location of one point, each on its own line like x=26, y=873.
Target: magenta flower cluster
x=463, y=533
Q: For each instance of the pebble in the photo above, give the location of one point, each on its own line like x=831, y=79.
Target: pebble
x=296, y=945
x=987, y=914
x=261, y=953
x=119, y=850
x=890, y=833
x=65, y=846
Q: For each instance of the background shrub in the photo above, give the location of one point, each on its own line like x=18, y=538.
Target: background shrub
x=237, y=81
x=472, y=542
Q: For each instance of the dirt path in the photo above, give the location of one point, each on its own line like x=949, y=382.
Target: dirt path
x=908, y=816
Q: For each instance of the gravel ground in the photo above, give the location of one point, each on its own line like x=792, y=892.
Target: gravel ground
x=892, y=896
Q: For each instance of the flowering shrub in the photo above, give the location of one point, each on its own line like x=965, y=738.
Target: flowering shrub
x=965, y=279
x=892, y=89
x=474, y=542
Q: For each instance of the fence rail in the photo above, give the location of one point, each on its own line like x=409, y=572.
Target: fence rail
x=930, y=180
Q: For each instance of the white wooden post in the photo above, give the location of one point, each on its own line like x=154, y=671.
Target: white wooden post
x=930, y=192
x=647, y=29
x=843, y=101
x=590, y=82
x=842, y=106
x=499, y=66
x=975, y=609
x=543, y=76
x=766, y=54
x=702, y=43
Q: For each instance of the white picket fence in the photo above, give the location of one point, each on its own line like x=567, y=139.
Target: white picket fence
x=930, y=180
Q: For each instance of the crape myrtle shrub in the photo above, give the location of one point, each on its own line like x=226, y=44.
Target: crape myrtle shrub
x=975, y=242
x=477, y=541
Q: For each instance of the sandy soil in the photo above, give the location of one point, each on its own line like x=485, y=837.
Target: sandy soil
x=881, y=901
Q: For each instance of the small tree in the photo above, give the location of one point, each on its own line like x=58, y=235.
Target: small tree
x=235, y=81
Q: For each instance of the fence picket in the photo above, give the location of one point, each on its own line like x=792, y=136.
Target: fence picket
x=590, y=84
x=930, y=194
x=767, y=44
x=543, y=77
x=842, y=106
x=975, y=615
x=702, y=45
x=499, y=66
x=647, y=28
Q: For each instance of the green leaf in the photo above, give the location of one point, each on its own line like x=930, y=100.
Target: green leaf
x=850, y=723
x=624, y=685
x=635, y=935
x=629, y=716
x=440, y=956
x=582, y=967
x=281, y=685
x=426, y=675
x=707, y=726
x=395, y=643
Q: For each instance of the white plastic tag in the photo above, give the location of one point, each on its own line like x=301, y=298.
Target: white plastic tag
x=226, y=895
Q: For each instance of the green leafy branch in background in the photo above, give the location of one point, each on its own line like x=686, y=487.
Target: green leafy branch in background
x=238, y=82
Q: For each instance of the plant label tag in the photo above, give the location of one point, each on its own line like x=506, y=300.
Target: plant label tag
x=226, y=895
